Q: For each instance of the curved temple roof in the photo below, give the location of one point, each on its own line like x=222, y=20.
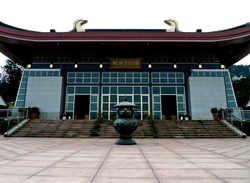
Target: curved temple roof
x=235, y=42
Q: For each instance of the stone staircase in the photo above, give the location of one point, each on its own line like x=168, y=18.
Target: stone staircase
x=166, y=129
x=193, y=129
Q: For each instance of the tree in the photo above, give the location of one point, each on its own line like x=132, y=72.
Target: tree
x=242, y=91
x=9, y=83
x=238, y=70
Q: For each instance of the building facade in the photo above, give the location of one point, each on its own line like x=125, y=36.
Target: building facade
x=167, y=73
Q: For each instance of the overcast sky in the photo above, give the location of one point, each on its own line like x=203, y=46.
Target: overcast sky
x=43, y=15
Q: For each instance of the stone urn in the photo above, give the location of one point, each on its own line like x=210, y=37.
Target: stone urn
x=125, y=123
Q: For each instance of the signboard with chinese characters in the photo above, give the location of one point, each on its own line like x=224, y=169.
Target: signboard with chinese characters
x=125, y=63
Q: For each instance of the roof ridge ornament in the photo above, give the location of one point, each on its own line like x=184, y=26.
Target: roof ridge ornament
x=77, y=25
x=173, y=25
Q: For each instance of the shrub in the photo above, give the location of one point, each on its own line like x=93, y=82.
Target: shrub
x=214, y=110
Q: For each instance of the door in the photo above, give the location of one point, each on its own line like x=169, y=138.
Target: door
x=169, y=108
x=81, y=106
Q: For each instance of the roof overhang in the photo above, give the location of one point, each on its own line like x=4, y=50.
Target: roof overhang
x=235, y=42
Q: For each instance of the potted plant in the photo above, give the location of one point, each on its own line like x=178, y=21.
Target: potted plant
x=214, y=112
x=34, y=113
x=29, y=113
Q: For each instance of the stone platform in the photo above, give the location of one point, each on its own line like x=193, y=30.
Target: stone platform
x=32, y=160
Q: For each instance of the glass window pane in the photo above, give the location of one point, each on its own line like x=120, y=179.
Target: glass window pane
x=164, y=80
x=95, y=74
x=125, y=90
x=79, y=75
x=113, y=90
x=82, y=90
x=201, y=74
x=86, y=80
x=79, y=80
x=144, y=90
x=195, y=73
x=171, y=75
x=105, y=115
x=171, y=80
x=180, y=81
x=157, y=115
x=156, y=98
x=56, y=73
x=164, y=75
x=70, y=98
x=113, y=80
x=94, y=90
x=128, y=74
x=20, y=103
x=93, y=115
x=105, y=80
x=137, y=98
x=180, y=90
x=128, y=80
x=93, y=106
x=168, y=90
x=137, y=75
x=25, y=73
x=213, y=74
x=121, y=80
x=22, y=91
x=50, y=73
x=23, y=85
x=105, y=90
x=207, y=74
x=71, y=80
x=157, y=107
x=113, y=98
x=38, y=73
x=179, y=75
x=181, y=107
x=137, y=80
x=70, y=90
x=95, y=80
x=88, y=75
x=69, y=106
x=105, y=74
x=21, y=97
x=70, y=74
x=105, y=99
x=145, y=107
x=156, y=90
x=219, y=74
x=155, y=80
x=144, y=98
x=93, y=98
x=230, y=98
x=105, y=107
x=121, y=75
x=32, y=73
x=44, y=73
x=225, y=74
x=136, y=90
x=180, y=99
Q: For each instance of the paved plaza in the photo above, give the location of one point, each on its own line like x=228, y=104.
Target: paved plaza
x=32, y=160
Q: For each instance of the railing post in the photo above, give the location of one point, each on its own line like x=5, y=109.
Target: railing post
x=8, y=126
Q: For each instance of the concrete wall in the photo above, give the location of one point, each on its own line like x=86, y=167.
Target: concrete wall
x=205, y=93
x=45, y=93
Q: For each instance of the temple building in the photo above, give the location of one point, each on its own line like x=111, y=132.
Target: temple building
x=167, y=73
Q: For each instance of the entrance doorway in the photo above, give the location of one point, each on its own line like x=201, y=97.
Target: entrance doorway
x=169, y=108
x=81, y=106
